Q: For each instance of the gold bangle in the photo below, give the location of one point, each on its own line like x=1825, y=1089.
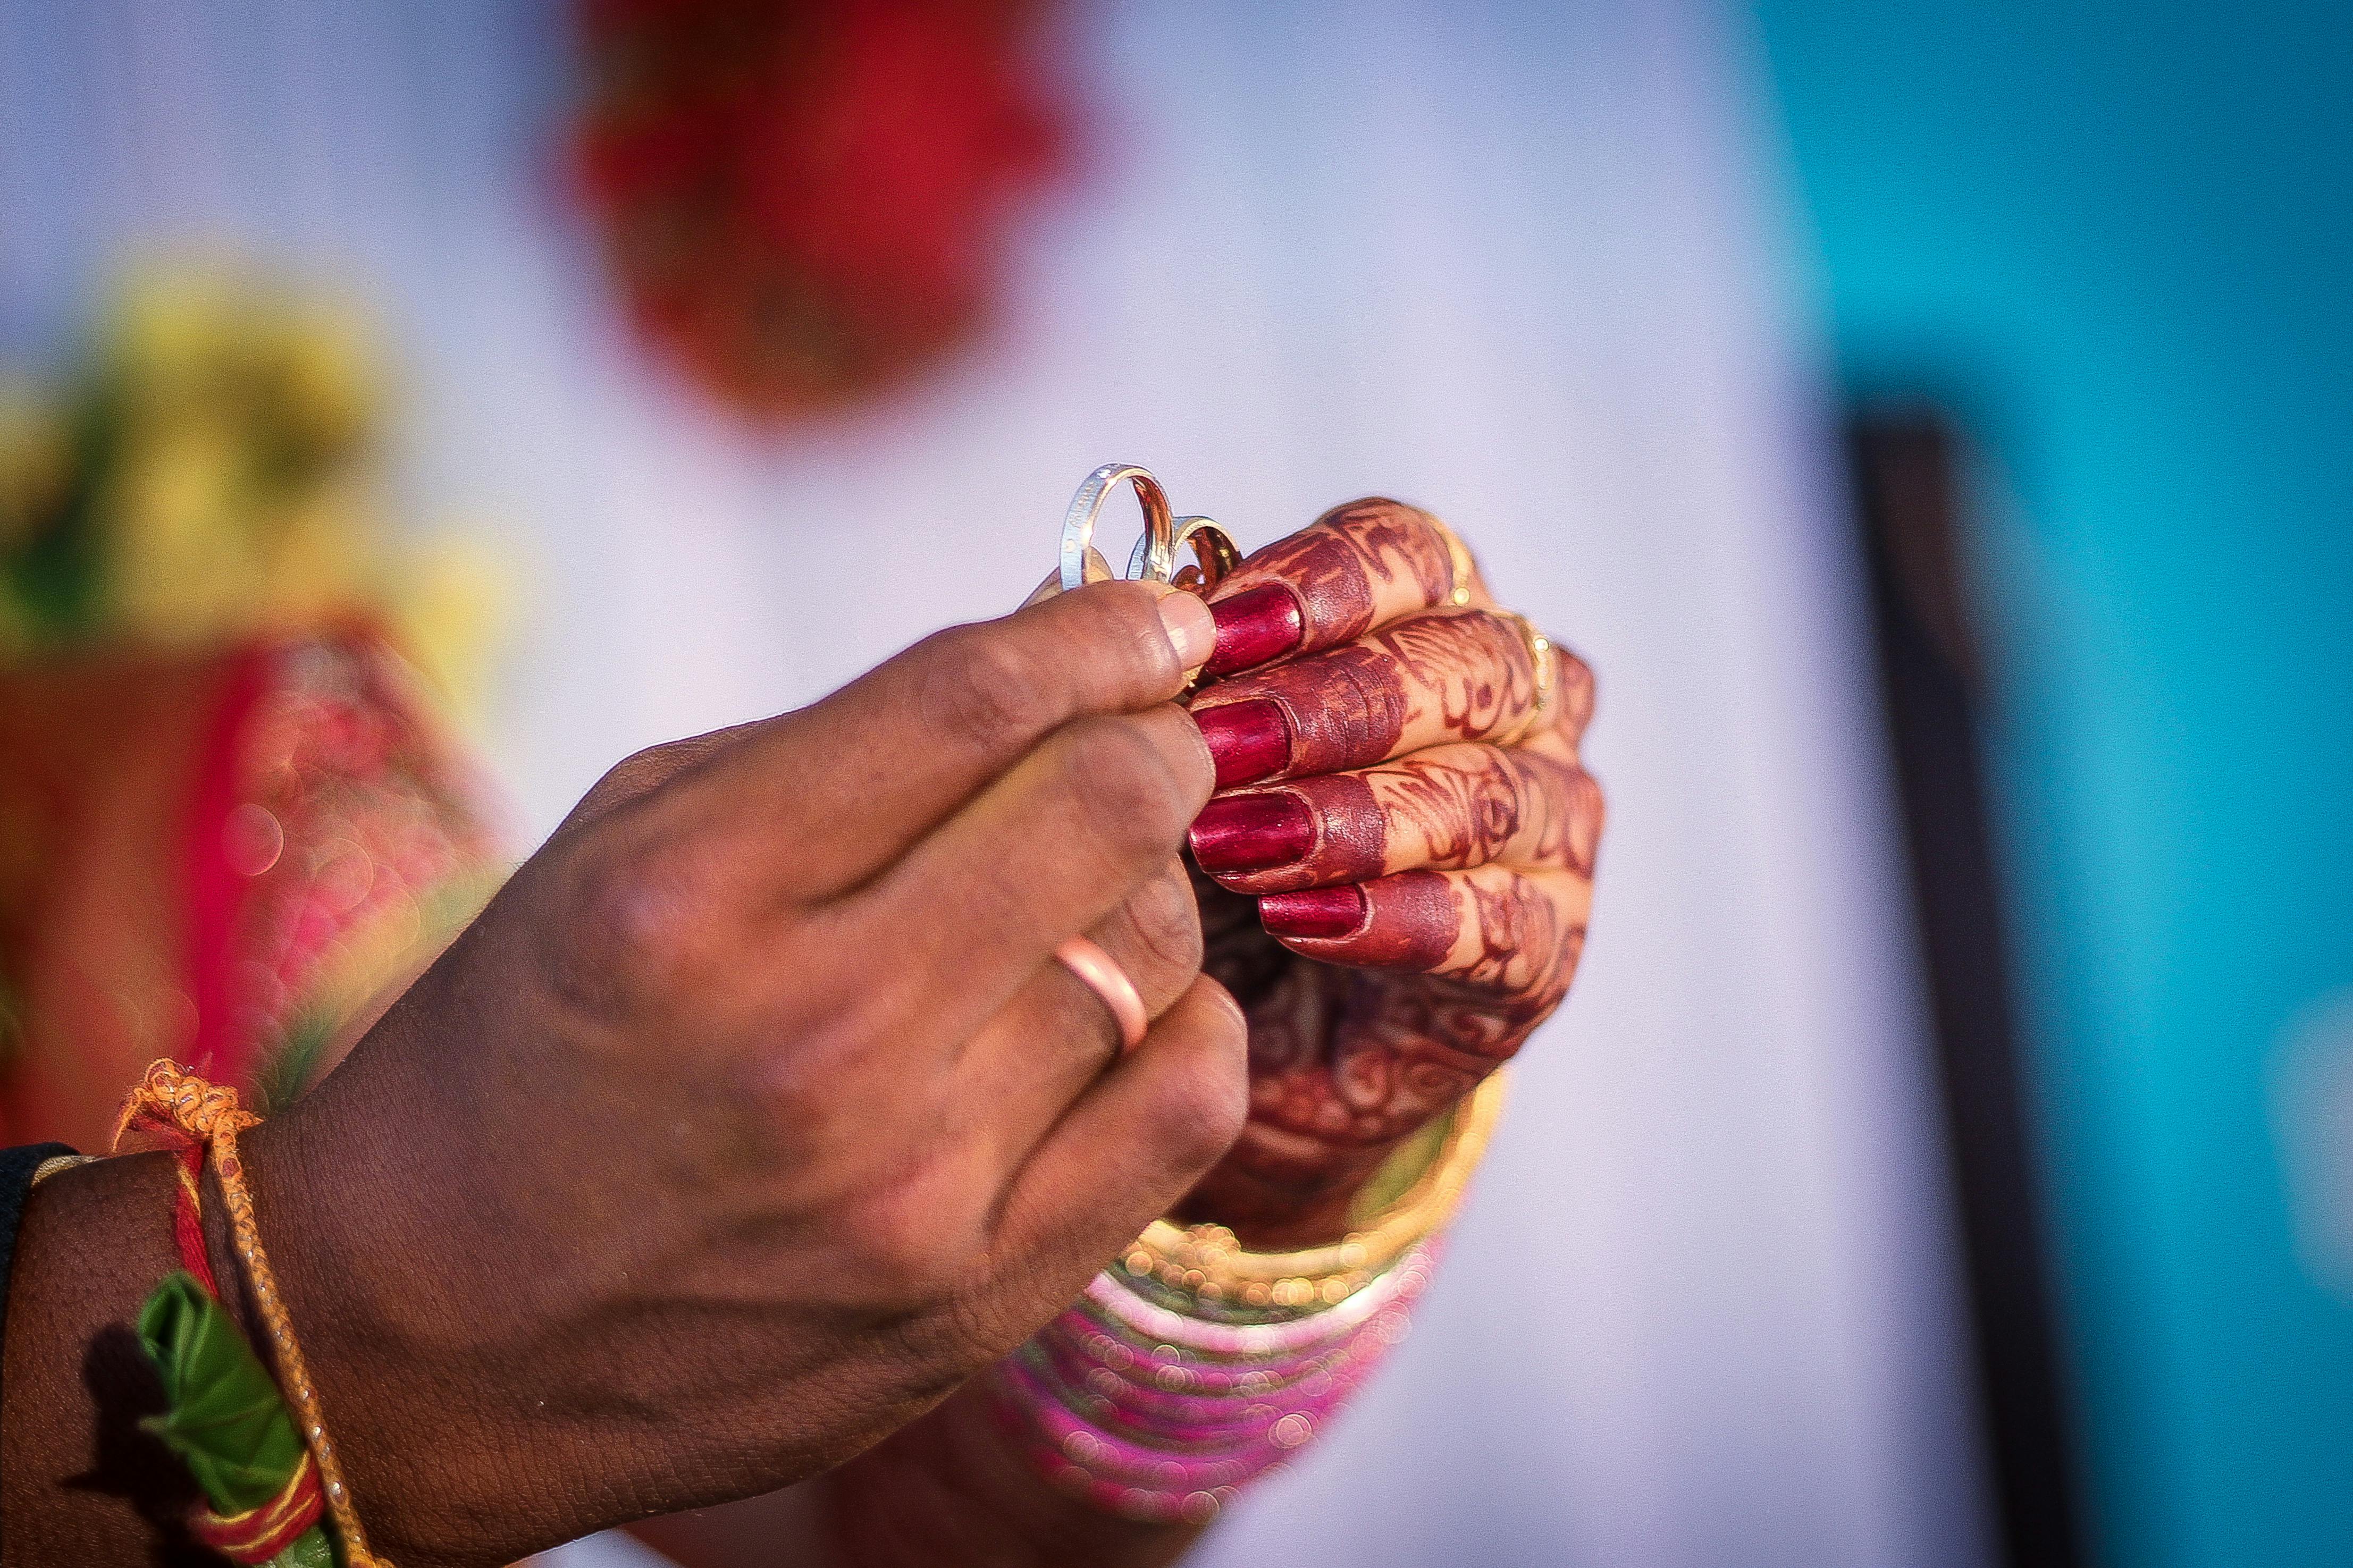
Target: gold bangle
x=1207, y=1260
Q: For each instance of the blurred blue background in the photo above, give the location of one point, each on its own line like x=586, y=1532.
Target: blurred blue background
x=2118, y=243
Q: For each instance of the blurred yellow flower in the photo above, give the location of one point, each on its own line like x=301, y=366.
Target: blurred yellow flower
x=218, y=473
x=36, y=462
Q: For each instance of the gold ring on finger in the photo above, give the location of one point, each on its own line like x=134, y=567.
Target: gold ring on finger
x=1101, y=973
x=1458, y=558
x=1546, y=667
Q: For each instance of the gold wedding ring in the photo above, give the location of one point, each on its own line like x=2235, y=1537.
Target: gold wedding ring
x=1215, y=553
x=1458, y=558
x=1103, y=976
x=1548, y=675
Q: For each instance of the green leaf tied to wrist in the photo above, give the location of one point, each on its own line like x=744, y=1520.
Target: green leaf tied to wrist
x=223, y=1416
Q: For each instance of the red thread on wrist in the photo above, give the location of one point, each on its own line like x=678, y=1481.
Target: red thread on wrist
x=258, y=1534
x=192, y=1117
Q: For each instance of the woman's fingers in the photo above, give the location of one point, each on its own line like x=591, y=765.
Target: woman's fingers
x=1430, y=678
x=1446, y=809
x=972, y=912
x=1356, y=567
x=1515, y=933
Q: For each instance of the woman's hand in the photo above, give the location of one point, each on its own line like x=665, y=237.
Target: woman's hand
x=754, y=1114
x=1399, y=855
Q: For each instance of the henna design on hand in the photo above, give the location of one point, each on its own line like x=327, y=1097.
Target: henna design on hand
x=1469, y=670
x=1383, y=790
x=1450, y=675
x=1449, y=808
x=1358, y=565
x=1348, y=1062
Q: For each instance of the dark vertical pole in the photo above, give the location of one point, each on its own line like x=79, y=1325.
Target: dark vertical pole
x=1909, y=505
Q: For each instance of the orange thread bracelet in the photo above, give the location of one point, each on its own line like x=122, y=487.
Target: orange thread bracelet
x=192, y=1117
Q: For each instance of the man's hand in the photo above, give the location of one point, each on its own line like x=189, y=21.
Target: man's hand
x=752, y=1116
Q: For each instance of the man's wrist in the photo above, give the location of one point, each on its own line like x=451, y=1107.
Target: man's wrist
x=343, y=1196
x=334, y=1219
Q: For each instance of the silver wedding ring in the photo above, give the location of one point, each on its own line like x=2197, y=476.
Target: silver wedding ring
x=1155, y=558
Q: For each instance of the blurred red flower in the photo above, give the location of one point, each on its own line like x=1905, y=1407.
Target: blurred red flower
x=806, y=202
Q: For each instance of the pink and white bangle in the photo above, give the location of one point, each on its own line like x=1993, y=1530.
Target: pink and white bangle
x=1171, y=1431
x=1194, y=1366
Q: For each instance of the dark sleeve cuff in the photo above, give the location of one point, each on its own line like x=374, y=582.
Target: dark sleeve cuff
x=16, y=1168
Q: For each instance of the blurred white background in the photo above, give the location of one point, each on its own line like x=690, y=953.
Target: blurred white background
x=1518, y=264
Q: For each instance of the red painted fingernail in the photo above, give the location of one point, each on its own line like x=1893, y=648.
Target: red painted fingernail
x=1318, y=912
x=1252, y=832
x=1249, y=741
x=1254, y=627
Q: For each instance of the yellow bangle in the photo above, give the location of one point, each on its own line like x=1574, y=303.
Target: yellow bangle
x=1546, y=672
x=1207, y=1261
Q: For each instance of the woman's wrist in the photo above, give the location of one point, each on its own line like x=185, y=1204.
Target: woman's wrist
x=1196, y=1365
x=954, y=1487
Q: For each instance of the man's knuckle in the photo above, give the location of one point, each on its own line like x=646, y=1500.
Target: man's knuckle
x=1131, y=795
x=1168, y=921
x=1203, y=1111
x=632, y=776
x=986, y=687
x=639, y=919
x=798, y=1088
x=640, y=768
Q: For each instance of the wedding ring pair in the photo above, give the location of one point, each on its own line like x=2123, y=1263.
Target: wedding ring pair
x=1157, y=555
